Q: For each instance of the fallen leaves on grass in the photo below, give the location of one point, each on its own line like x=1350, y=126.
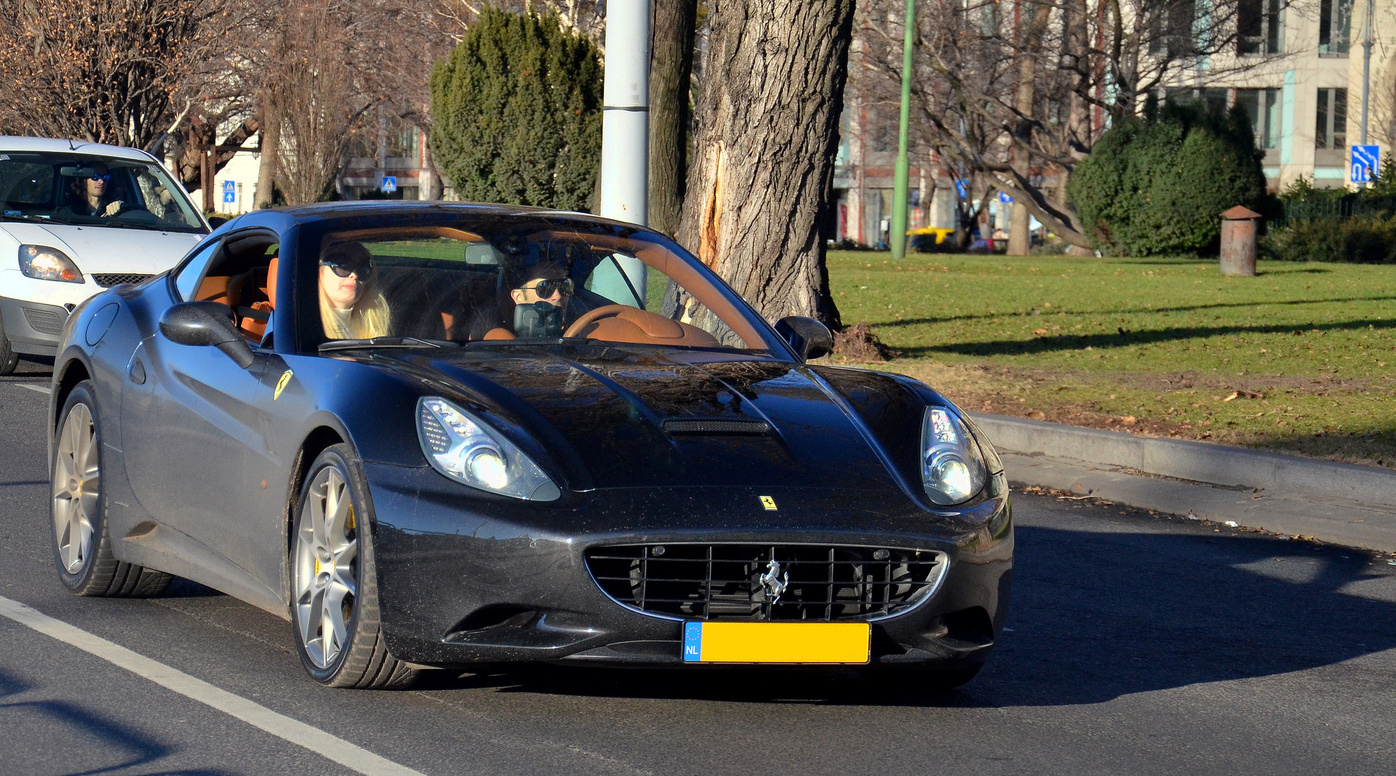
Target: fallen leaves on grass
x=1234, y=395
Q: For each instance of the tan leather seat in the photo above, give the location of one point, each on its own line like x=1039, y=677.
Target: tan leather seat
x=253, y=327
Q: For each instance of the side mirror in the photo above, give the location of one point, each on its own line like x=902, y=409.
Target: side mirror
x=216, y=221
x=206, y=323
x=808, y=337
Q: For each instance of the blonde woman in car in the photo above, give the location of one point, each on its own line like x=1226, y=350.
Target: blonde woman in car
x=351, y=306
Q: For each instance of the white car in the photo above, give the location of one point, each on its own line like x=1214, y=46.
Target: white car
x=76, y=218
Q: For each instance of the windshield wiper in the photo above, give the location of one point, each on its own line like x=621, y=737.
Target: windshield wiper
x=384, y=342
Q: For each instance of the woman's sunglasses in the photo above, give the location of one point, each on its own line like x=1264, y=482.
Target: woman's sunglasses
x=101, y=176
x=345, y=270
x=546, y=288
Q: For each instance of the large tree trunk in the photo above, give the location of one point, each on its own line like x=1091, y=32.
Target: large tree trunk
x=266, y=169
x=671, y=68
x=1019, y=241
x=764, y=147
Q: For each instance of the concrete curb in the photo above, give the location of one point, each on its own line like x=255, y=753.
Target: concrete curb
x=1341, y=503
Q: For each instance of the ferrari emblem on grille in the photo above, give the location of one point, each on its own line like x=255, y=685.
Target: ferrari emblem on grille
x=769, y=503
x=774, y=582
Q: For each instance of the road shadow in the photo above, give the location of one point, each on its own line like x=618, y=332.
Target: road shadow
x=1094, y=617
x=72, y=740
x=1250, y=306
x=1047, y=344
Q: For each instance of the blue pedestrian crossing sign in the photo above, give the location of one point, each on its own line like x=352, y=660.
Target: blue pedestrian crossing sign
x=1364, y=163
x=1004, y=198
x=230, y=192
x=389, y=183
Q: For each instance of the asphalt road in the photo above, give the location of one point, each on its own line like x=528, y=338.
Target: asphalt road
x=1138, y=645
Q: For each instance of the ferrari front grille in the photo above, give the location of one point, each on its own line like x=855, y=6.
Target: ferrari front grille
x=115, y=279
x=767, y=582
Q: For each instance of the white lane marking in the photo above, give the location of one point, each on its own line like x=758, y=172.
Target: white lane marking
x=45, y=390
x=355, y=758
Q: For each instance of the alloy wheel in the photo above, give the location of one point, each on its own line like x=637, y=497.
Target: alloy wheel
x=326, y=567
x=77, y=480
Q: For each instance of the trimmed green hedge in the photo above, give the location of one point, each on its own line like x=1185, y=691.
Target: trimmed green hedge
x=1360, y=239
x=1158, y=185
x=1336, y=225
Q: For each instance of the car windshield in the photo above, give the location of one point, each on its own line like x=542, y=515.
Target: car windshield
x=541, y=282
x=90, y=190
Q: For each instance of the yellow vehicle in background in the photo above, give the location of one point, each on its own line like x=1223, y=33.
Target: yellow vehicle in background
x=927, y=237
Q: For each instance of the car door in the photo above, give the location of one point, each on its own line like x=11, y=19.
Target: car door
x=196, y=445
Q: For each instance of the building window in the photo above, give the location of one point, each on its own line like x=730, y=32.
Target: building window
x=403, y=141
x=1214, y=100
x=1334, y=27
x=1263, y=108
x=1171, y=29
x=1330, y=131
x=1259, y=27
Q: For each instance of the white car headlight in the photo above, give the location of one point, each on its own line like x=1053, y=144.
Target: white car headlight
x=952, y=467
x=45, y=263
x=463, y=448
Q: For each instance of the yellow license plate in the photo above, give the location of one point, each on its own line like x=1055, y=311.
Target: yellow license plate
x=776, y=642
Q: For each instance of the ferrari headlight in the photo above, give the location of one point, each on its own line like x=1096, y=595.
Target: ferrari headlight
x=44, y=263
x=463, y=448
x=952, y=467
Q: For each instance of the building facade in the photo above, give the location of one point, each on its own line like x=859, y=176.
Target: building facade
x=1298, y=70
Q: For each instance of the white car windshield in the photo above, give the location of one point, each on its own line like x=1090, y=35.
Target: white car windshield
x=89, y=190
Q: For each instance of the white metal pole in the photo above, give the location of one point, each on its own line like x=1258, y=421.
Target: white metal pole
x=625, y=126
x=1366, y=68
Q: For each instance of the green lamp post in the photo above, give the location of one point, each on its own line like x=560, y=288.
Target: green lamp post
x=897, y=239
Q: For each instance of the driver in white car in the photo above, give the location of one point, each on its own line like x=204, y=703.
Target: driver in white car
x=90, y=196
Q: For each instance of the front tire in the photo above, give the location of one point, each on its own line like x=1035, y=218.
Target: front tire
x=9, y=359
x=334, y=586
x=81, y=545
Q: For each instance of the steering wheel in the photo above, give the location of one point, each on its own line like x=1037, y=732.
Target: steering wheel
x=592, y=316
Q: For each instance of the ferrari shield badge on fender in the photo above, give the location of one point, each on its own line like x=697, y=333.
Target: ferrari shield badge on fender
x=768, y=503
x=281, y=384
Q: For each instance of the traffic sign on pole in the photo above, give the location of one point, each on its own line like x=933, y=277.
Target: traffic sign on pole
x=1364, y=163
x=389, y=183
x=229, y=192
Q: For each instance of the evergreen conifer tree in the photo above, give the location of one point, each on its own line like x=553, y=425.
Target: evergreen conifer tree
x=517, y=113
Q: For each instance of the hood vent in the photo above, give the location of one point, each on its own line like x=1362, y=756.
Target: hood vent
x=716, y=427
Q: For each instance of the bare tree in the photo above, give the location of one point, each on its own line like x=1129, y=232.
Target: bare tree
x=111, y=71
x=764, y=148
x=1019, y=91
x=585, y=16
x=329, y=69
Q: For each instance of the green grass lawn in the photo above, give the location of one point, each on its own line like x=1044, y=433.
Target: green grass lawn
x=1298, y=359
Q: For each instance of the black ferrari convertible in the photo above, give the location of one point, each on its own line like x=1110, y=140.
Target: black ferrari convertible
x=440, y=435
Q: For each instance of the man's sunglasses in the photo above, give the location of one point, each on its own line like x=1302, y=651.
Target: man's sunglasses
x=546, y=288
x=345, y=270
x=101, y=176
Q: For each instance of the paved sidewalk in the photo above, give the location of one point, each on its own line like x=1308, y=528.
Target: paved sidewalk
x=1333, y=502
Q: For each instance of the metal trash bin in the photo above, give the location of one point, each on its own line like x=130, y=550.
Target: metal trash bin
x=1238, y=237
